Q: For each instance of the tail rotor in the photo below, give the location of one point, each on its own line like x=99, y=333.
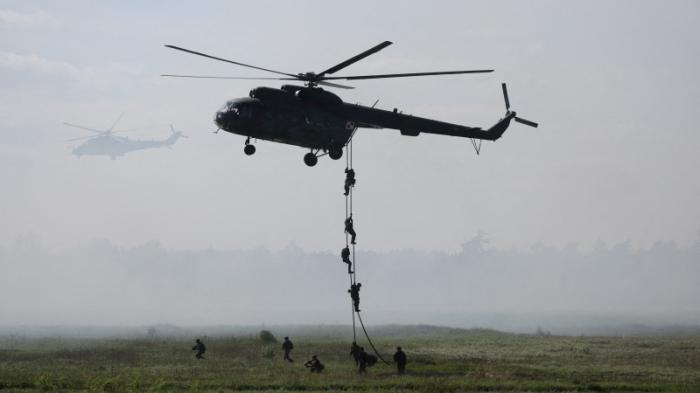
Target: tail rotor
x=512, y=114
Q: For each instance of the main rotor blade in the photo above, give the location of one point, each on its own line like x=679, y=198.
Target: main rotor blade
x=227, y=77
x=380, y=76
x=526, y=122
x=120, y=131
x=335, y=85
x=81, y=138
x=357, y=58
x=84, y=128
x=115, y=123
x=228, y=61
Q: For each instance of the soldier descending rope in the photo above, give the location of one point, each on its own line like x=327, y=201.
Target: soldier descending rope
x=345, y=256
x=349, y=229
x=362, y=358
x=355, y=295
x=349, y=180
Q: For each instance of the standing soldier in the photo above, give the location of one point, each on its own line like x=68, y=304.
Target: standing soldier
x=400, y=360
x=355, y=295
x=349, y=180
x=200, y=348
x=355, y=352
x=287, y=346
x=349, y=229
x=345, y=255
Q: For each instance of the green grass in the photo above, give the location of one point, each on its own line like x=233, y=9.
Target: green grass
x=482, y=361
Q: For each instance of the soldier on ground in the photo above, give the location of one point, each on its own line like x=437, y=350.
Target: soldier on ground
x=362, y=361
x=345, y=255
x=350, y=230
x=355, y=352
x=314, y=365
x=200, y=348
x=400, y=360
x=287, y=346
x=349, y=179
x=355, y=295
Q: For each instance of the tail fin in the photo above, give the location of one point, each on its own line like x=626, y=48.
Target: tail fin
x=175, y=135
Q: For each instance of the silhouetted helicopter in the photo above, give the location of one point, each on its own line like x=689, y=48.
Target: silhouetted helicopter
x=105, y=143
x=319, y=120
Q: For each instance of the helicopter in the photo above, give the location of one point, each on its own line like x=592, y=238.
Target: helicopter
x=311, y=117
x=105, y=143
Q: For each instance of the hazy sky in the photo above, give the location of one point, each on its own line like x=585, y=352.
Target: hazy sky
x=614, y=86
x=100, y=283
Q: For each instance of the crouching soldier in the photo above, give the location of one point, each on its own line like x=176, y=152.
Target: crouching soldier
x=314, y=365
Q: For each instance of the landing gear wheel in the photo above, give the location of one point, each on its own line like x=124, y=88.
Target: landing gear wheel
x=310, y=159
x=249, y=150
x=335, y=154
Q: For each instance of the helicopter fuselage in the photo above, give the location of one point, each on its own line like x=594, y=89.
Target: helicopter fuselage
x=117, y=146
x=314, y=118
x=311, y=117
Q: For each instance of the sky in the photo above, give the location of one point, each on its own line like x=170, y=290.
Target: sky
x=612, y=84
x=614, y=163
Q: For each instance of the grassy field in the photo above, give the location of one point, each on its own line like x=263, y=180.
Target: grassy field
x=472, y=361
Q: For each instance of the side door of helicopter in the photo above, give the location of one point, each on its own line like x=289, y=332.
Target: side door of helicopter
x=323, y=129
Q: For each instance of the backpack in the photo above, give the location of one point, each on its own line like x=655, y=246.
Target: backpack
x=371, y=360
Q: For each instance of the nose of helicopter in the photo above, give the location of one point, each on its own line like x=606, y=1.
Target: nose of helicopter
x=219, y=119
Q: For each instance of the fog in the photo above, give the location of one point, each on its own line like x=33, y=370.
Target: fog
x=592, y=218
x=564, y=290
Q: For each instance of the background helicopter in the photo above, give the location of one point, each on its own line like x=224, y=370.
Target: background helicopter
x=311, y=117
x=105, y=143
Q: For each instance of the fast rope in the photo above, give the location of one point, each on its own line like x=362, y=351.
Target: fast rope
x=353, y=266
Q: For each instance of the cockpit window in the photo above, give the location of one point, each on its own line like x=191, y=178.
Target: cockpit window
x=226, y=106
x=242, y=109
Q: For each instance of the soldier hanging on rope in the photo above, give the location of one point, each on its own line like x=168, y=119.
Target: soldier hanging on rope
x=345, y=255
x=355, y=295
x=349, y=229
x=349, y=180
